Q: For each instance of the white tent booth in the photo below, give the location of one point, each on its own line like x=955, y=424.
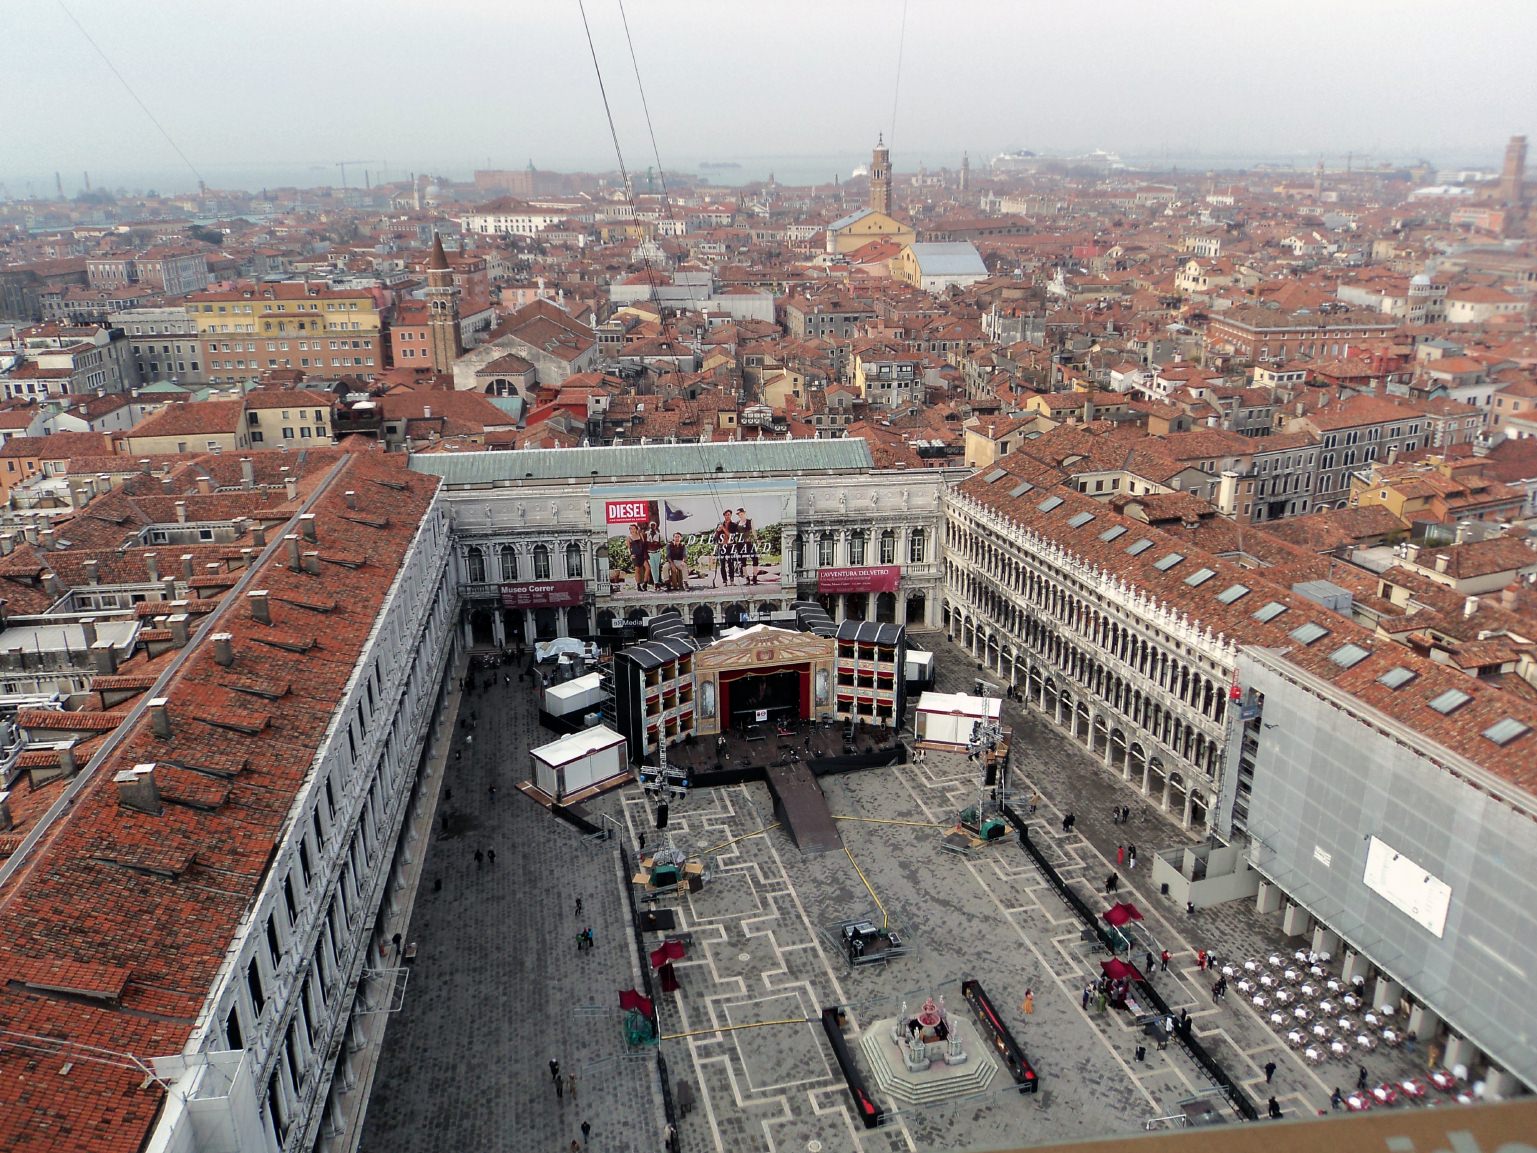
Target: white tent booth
x=579, y=695
x=947, y=718
x=580, y=760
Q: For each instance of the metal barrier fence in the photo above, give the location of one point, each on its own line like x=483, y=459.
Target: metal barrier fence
x=1230, y=1089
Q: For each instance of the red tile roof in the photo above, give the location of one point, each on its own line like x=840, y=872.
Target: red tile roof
x=114, y=929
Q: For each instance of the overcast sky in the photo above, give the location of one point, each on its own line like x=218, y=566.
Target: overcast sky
x=280, y=90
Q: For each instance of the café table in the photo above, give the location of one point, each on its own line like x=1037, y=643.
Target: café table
x=1385, y=1094
x=1358, y=1102
x=1412, y=1087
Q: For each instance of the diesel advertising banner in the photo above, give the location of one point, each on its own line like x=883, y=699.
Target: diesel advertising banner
x=875, y=579
x=542, y=594
x=690, y=538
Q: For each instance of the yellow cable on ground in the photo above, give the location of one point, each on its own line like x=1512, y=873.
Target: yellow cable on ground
x=734, y=1028
x=885, y=821
x=866, y=884
x=743, y=837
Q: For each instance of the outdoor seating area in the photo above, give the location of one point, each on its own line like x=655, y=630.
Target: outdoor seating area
x=1329, y=1020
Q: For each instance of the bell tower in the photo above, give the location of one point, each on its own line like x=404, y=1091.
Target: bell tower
x=443, y=341
x=880, y=177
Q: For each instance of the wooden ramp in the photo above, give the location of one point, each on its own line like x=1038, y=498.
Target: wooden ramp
x=802, y=809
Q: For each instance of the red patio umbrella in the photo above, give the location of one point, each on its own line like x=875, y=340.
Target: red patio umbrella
x=631, y=999
x=1119, y=970
x=1118, y=915
x=667, y=951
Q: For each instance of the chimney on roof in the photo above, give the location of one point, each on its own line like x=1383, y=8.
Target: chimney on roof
x=247, y=472
x=312, y=563
x=205, y=485
x=180, y=629
x=103, y=659
x=1442, y=561
x=144, y=465
x=52, y=585
x=7, y=543
x=1470, y=606
x=160, y=717
x=92, y=571
x=6, y=824
x=29, y=533
x=168, y=588
x=224, y=649
x=103, y=483
x=260, y=609
x=293, y=489
x=247, y=557
x=351, y=498
x=181, y=512
x=259, y=535
x=293, y=551
x=67, y=763
x=136, y=789
x=307, y=526
x=186, y=566
x=45, y=538
x=166, y=485
x=88, y=631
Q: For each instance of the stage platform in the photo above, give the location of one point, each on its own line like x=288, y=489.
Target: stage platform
x=800, y=805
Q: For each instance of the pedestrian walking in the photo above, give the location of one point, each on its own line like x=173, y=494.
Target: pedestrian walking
x=1088, y=991
x=1141, y=1053
x=1361, y=1079
x=571, y=1086
x=1275, y=1109
x=554, y=1069
x=1120, y=855
x=479, y=858
x=588, y=934
x=1184, y=1021
x=1029, y=1003
x=1131, y=856
x=1163, y=958
x=1270, y=1068
x=491, y=857
x=1200, y=960
x=1336, y=1099
x=1147, y=970
x=1125, y=814
x=586, y=1130
x=672, y=1139
x=560, y=1089
x=579, y=906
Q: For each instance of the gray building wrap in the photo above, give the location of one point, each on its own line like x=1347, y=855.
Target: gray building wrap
x=1329, y=775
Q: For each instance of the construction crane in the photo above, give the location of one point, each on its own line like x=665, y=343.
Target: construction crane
x=342, y=164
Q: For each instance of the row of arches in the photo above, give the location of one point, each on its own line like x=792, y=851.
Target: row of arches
x=511, y=563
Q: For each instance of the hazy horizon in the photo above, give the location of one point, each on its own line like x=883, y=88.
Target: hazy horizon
x=394, y=88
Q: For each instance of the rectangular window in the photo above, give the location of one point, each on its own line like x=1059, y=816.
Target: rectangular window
x=1199, y=577
x=1139, y=547
x=1168, y=561
x=1397, y=677
x=1269, y=612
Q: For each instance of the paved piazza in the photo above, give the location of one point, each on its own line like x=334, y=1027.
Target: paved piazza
x=499, y=988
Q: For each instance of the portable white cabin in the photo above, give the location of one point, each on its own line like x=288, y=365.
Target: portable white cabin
x=948, y=717
x=574, y=762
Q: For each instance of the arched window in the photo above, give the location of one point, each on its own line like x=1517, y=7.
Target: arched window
x=888, y=547
x=857, y=547
x=541, y=563
x=477, y=565
x=509, y=558
x=825, y=546
x=917, y=547
x=573, y=560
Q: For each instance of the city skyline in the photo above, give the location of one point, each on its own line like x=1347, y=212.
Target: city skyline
x=1003, y=79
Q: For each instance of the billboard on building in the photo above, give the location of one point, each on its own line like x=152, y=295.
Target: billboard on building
x=690, y=538
x=867, y=579
x=542, y=594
